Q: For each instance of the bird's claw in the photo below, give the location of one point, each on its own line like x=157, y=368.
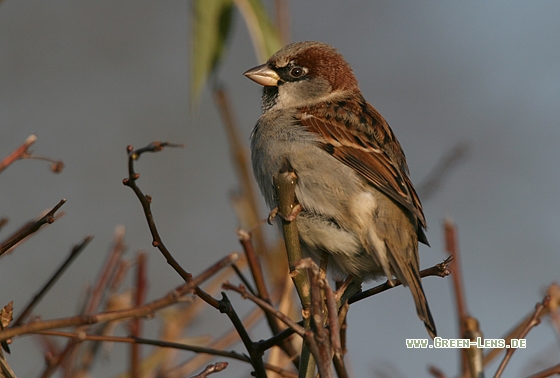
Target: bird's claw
x=272, y=215
x=286, y=218
x=340, y=291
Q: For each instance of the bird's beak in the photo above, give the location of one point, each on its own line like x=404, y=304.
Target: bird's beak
x=263, y=75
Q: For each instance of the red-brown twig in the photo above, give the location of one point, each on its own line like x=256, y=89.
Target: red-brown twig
x=22, y=152
x=511, y=334
x=452, y=247
x=553, y=370
x=258, y=276
x=212, y=368
x=19, y=153
x=535, y=320
x=436, y=372
x=3, y=222
x=282, y=20
x=37, y=298
x=135, y=324
x=307, y=335
x=146, y=310
x=265, y=306
x=240, y=161
x=31, y=228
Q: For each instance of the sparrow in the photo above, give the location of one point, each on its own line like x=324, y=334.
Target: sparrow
x=358, y=202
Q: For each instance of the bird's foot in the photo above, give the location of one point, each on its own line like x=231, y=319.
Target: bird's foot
x=272, y=215
x=286, y=218
x=340, y=291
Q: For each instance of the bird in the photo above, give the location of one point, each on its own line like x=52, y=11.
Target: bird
x=358, y=203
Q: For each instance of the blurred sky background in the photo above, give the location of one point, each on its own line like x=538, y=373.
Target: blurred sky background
x=90, y=78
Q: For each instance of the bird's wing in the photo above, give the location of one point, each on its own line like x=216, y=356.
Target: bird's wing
x=360, y=137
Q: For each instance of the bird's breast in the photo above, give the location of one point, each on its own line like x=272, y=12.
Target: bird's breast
x=325, y=185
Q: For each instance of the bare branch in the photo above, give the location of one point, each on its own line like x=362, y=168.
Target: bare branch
x=146, y=310
x=255, y=354
x=31, y=228
x=37, y=298
x=167, y=344
x=19, y=153
x=266, y=307
x=210, y=369
x=441, y=170
x=535, y=320
x=553, y=370
x=145, y=201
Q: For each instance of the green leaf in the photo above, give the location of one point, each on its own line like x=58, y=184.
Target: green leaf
x=211, y=27
x=265, y=36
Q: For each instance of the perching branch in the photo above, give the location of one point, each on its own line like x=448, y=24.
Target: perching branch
x=438, y=270
x=284, y=184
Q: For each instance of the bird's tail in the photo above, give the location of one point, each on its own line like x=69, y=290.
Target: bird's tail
x=422, y=308
x=408, y=273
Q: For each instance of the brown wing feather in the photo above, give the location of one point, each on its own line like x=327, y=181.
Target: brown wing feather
x=361, y=138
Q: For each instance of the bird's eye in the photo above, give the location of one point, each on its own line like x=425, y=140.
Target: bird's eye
x=297, y=72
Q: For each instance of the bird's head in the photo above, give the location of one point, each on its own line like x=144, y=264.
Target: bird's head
x=302, y=74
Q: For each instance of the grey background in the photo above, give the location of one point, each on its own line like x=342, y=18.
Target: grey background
x=89, y=78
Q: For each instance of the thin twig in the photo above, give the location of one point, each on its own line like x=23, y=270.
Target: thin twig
x=212, y=368
x=145, y=201
x=245, y=239
x=265, y=306
x=521, y=325
x=171, y=298
x=452, y=247
x=277, y=339
x=243, y=279
x=240, y=161
x=535, y=320
x=136, y=324
x=3, y=222
x=91, y=305
x=31, y=228
x=282, y=18
x=165, y=344
x=449, y=161
x=553, y=370
x=256, y=356
x=19, y=153
x=436, y=372
x=37, y=298
x=224, y=341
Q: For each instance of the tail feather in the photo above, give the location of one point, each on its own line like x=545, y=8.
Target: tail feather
x=408, y=273
x=422, y=308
